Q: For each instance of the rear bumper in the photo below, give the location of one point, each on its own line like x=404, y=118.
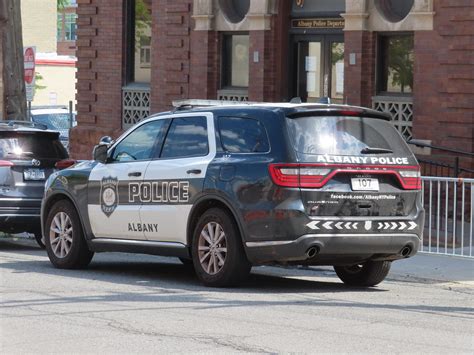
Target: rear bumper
x=20, y=218
x=333, y=249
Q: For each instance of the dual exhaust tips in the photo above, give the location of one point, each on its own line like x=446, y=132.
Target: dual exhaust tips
x=314, y=250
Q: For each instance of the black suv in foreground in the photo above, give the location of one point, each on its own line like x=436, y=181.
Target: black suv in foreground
x=28, y=155
x=228, y=187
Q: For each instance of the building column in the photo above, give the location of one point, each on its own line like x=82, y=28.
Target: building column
x=171, y=37
x=99, y=75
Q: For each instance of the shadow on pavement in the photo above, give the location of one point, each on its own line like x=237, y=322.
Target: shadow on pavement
x=159, y=283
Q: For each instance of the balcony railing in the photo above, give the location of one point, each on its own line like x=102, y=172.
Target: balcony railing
x=136, y=104
x=401, y=110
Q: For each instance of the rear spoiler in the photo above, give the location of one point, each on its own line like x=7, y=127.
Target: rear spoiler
x=340, y=111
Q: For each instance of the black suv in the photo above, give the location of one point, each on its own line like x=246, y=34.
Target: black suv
x=228, y=187
x=28, y=154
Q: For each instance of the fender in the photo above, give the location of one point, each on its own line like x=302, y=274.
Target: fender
x=68, y=196
x=206, y=196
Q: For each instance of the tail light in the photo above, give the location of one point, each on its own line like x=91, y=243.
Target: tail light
x=5, y=163
x=317, y=175
x=411, y=179
x=64, y=164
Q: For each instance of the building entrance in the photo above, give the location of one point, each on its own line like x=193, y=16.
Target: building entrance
x=318, y=67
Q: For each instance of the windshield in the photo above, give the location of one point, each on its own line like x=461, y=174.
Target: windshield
x=345, y=136
x=28, y=146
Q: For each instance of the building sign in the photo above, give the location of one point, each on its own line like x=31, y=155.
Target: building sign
x=317, y=23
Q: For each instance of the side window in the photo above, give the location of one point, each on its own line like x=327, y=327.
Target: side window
x=139, y=144
x=243, y=135
x=187, y=137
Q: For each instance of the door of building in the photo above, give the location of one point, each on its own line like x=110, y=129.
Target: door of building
x=318, y=67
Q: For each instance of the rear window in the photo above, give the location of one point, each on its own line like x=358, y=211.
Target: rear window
x=27, y=146
x=344, y=135
x=56, y=121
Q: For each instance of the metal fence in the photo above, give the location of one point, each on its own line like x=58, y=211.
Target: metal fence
x=449, y=216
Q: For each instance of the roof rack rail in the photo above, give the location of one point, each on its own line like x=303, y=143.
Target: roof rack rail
x=191, y=103
x=26, y=124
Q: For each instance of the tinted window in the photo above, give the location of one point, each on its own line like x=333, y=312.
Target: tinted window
x=344, y=135
x=14, y=145
x=139, y=144
x=243, y=135
x=54, y=121
x=187, y=137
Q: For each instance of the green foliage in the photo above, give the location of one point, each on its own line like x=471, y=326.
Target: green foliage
x=401, y=62
x=38, y=79
x=61, y=4
x=142, y=22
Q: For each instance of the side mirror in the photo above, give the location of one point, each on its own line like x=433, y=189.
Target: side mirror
x=106, y=140
x=100, y=153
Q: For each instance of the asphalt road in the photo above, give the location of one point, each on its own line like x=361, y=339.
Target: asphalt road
x=141, y=304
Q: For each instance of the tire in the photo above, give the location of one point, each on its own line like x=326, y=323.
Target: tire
x=40, y=240
x=226, y=264
x=368, y=274
x=67, y=250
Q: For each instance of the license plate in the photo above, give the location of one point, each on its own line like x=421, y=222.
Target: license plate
x=34, y=174
x=365, y=184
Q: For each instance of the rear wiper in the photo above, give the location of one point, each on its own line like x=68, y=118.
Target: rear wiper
x=373, y=150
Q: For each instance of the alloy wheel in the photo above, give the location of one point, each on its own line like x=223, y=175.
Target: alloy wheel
x=60, y=234
x=212, y=248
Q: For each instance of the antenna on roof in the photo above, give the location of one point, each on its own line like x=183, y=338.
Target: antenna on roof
x=324, y=100
x=296, y=100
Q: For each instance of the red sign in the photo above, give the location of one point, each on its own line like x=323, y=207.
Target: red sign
x=29, y=59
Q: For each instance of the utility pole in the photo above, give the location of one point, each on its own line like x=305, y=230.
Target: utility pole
x=11, y=49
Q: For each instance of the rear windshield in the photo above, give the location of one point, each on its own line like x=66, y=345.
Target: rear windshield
x=344, y=135
x=26, y=146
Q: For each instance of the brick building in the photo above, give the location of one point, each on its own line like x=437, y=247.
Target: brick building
x=413, y=58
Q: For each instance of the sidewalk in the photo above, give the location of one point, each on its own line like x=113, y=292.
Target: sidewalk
x=433, y=267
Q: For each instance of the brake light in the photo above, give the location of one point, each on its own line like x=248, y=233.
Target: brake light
x=411, y=179
x=5, y=163
x=317, y=175
x=64, y=164
x=297, y=175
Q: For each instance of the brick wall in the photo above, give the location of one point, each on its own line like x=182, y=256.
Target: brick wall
x=171, y=52
x=359, y=79
x=99, y=74
x=444, y=77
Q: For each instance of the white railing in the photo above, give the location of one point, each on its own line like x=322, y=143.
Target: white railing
x=449, y=213
x=401, y=110
x=233, y=95
x=135, y=104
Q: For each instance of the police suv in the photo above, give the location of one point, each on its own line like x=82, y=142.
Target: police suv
x=230, y=186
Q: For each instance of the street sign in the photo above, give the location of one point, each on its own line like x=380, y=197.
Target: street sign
x=29, y=54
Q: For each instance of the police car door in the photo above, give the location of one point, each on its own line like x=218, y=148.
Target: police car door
x=112, y=213
x=176, y=178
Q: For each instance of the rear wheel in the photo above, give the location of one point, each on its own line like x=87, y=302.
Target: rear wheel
x=367, y=274
x=218, y=254
x=65, y=243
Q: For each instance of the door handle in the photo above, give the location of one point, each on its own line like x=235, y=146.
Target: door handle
x=135, y=174
x=194, y=171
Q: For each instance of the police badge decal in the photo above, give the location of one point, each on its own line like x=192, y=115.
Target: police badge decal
x=108, y=195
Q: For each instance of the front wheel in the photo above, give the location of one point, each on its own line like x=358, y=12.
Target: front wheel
x=367, y=274
x=217, y=251
x=65, y=243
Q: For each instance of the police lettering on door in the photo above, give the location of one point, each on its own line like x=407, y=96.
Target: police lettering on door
x=158, y=192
